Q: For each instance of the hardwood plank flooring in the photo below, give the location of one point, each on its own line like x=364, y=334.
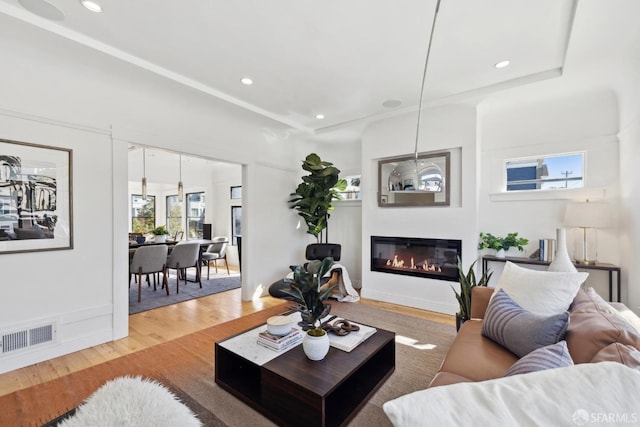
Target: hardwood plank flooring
x=164, y=324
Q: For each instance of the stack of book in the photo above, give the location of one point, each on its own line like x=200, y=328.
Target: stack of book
x=547, y=249
x=279, y=343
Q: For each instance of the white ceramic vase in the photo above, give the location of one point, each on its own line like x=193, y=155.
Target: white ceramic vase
x=316, y=348
x=500, y=253
x=160, y=238
x=562, y=261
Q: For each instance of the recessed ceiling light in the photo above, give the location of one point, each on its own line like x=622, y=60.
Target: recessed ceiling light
x=246, y=81
x=319, y=116
x=392, y=103
x=91, y=5
x=502, y=64
x=43, y=9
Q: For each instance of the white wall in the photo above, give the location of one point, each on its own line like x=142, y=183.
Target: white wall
x=71, y=287
x=224, y=176
x=628, y=87
x=444, y=128
x=278, y=239
x=81, y=106
x=345, y=228
x=531, y=121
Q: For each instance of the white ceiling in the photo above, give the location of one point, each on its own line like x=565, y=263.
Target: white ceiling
x=339, y=58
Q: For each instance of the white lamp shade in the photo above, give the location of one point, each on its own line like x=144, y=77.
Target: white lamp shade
x=588, y=215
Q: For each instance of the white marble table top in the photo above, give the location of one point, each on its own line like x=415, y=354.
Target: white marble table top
x=246, y=344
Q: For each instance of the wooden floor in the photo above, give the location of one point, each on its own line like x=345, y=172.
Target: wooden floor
x=153, y=327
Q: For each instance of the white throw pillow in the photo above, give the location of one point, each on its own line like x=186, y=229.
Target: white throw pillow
x=541, y=292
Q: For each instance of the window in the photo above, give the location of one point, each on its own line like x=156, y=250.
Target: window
x=236, y=192
x=174, y=215
x=143, y=215
x=545, y=173
x=195, y=215
x=236, y=224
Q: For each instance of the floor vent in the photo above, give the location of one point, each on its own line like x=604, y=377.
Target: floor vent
x=26, y=338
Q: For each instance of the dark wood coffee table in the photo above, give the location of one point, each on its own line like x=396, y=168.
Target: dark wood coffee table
x=290, y=389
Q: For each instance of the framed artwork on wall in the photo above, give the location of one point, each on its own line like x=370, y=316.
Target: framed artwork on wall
x=35, y=197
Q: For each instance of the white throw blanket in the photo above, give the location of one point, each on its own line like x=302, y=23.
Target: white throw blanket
x=347, y=292
x=605, y=393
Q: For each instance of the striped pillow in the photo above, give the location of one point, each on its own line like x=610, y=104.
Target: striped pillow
x=519, y=330
x=549, y=357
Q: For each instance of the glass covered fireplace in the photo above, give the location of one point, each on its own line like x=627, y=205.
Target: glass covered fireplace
x=433, y=258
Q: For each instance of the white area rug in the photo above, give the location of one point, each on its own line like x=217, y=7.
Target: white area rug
x=132, y=402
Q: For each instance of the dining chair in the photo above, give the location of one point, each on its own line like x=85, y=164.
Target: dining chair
x=178, y=236
x=149, y=260
x=215, y=252
x=184, y=255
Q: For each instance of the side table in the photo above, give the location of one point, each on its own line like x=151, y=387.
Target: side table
x=610, y=268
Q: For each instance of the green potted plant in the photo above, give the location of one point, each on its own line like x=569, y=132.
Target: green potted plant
x=467, y=282
x=160, y=234
x=313, y=196
x=501, y=244
x=306, y=289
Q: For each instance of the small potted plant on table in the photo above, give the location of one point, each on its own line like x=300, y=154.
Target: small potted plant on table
x=501, y=244
x=305, y=287
x=160, y=234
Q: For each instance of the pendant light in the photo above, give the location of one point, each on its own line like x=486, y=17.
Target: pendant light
x=180, y=187
x=424, y=176
x=144, y=174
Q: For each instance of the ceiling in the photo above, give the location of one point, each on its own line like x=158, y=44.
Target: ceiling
x=342, y=59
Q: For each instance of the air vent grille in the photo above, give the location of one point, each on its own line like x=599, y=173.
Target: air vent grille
x=26, y=338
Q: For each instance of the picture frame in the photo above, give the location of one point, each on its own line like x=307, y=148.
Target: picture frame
x=36, y=197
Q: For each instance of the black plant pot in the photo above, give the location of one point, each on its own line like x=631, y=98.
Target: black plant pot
x=459, y=321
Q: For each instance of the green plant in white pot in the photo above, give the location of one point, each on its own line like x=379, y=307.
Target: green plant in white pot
x=160, y=234
x=501, y=244
x=307, y=291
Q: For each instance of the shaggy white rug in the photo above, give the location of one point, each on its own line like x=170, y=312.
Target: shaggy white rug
x=132, y=402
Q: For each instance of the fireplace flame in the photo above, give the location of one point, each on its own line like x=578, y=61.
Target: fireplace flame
x=399, y=263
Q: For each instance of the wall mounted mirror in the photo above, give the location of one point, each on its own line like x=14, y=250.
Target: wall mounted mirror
x=411, y=181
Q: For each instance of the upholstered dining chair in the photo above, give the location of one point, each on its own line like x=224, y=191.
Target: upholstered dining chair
x=149, y=260
x=184, y=255
x=215, y=252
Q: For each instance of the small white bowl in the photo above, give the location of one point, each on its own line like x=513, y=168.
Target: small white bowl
x=279, y=325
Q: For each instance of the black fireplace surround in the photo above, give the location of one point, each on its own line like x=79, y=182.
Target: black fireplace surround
x=432, y=258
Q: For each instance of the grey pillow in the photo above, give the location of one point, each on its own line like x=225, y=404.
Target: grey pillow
x=519, y=330
x=549, y=357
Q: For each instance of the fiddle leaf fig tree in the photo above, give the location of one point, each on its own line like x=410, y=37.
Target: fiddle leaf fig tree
x=312, y=199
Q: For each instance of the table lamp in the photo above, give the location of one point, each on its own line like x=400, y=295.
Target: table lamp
x=588, y=216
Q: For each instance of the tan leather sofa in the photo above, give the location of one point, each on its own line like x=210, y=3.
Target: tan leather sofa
x=596, y=333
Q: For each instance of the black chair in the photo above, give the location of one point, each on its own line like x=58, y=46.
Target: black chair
x=314, y=251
